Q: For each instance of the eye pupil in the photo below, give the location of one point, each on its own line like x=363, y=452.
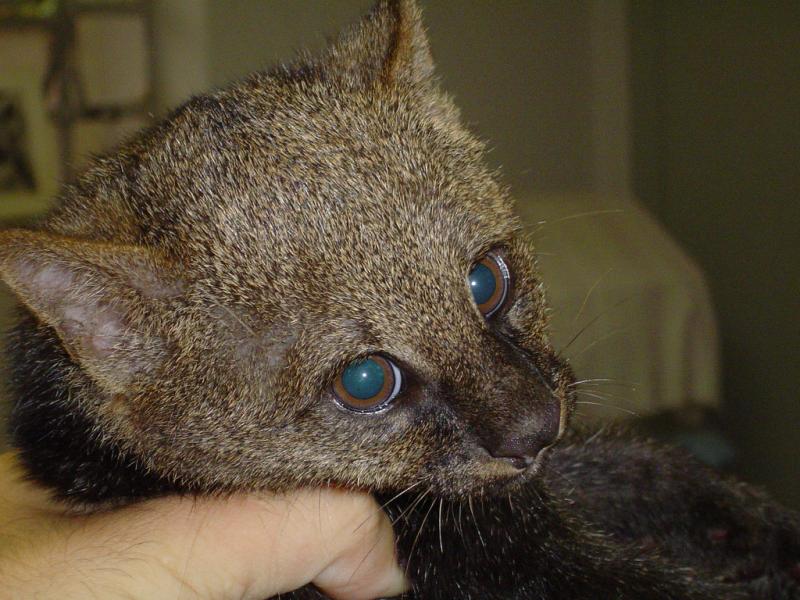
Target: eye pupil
x=363, y=379
x=482, y=282
x=368, y=385
x=488, y=282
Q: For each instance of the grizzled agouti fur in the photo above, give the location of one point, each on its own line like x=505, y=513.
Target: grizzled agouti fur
x=190, y=301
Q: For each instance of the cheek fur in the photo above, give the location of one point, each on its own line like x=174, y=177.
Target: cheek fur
x=526, y=322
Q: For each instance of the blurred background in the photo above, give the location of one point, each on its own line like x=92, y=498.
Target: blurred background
x=653, y=149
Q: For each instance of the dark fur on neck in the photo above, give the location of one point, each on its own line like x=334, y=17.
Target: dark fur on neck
x=55, y=440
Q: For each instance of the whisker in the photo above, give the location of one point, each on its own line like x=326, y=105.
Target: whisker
x=588, y=295
x=387, y=503
x=441, y=540
x=594, y=320
x=405, y=491
x=451, y=509
x=410, y=508
x=602, y=338
x=419, y=532
x=625, y=410
x=366, y=556
x=594, y=436
x=602, y=395
x=603, y=380
x=510, y=503
x=592, y=213
x=477, y=527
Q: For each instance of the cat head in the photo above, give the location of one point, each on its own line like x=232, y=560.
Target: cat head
x=308, y=277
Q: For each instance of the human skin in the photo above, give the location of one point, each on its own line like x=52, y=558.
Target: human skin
x=247, y=546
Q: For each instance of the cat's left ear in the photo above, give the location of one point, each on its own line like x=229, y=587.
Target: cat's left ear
x=104, y=301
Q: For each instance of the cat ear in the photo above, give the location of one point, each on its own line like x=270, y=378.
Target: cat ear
x=101, y=300
x=389, y=45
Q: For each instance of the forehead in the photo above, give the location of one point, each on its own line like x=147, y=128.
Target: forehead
x=323, y=188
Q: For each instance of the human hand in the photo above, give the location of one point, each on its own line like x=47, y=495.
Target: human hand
x=253, y=546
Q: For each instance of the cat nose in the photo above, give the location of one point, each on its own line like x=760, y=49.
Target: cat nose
x=521, y=450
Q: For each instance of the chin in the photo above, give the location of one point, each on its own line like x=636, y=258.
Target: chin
x=483, y=480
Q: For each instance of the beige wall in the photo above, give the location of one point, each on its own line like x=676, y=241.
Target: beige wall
x=181, y=38
x=540, y=79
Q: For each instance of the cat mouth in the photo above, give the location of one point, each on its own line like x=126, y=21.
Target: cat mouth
x=503, y=472
x=504, y=479
x=536, y=465
x=484, y=475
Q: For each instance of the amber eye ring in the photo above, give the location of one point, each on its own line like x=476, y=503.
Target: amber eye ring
x=489, y=281
x=368, y=385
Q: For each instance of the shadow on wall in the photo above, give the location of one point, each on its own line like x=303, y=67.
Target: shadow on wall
x=716, y=91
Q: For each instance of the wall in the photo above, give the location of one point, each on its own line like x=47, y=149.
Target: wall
x=716, y=98
x=522, y=72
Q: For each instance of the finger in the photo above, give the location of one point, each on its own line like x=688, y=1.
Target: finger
x=366, y=566
x=242, y=547
x=16, y=490
x=340, y=540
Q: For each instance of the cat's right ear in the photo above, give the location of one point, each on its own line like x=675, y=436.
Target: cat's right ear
x=390, y=47
x=101, y=299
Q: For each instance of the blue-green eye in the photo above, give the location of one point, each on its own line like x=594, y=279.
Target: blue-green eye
x=489, y=281
x=368, y=385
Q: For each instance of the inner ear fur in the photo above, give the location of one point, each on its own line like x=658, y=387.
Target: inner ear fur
x=101, y=300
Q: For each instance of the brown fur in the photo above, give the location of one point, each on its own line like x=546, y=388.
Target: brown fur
x=189, y=302
x=245, y=250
